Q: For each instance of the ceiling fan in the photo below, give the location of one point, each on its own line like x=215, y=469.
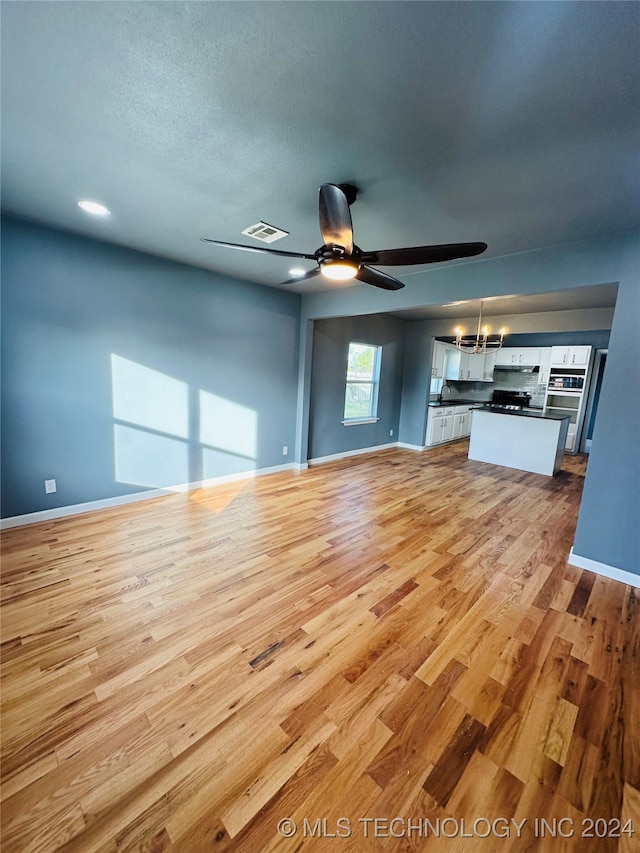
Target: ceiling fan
x=340, y=259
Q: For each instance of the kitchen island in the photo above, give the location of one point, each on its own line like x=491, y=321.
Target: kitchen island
x=527, y=440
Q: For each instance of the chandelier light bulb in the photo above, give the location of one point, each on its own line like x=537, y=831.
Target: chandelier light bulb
x=483, y=342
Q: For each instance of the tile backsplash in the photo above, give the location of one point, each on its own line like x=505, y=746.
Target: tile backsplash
x=527, y=383
x=503, y=380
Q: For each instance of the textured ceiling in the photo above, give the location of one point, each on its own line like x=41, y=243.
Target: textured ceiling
x=591, y=296
x=514, y=123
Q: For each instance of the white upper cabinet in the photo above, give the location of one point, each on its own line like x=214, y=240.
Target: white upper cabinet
x=570, y=356
x=515, y=356
x=545, y=363
x=439, y=360
x=489, y=364
x=470, y=367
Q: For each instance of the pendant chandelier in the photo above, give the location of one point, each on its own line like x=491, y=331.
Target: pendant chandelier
x=483, y=342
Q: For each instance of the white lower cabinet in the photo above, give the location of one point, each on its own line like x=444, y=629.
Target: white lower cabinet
x=447, y=427
x=434, y=429
x=446, y=423
x=460, y=425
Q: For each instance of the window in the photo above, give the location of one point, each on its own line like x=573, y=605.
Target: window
x=363, y=374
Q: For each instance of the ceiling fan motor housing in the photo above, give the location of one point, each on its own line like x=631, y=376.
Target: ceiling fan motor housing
x=336, y=252
x=350, y=191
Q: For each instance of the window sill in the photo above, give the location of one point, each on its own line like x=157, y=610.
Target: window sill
x=356, y=421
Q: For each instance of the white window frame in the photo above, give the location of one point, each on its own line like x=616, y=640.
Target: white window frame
x=374, y=383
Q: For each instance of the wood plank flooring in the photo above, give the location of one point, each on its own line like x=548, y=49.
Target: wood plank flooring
x=389, y=651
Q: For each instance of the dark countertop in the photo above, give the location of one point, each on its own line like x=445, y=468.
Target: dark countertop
x=524, y=413
x=435, y=403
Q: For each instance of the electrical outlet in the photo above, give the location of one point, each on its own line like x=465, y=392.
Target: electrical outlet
x=50, y=487
x=390, y=432
x=285, y=449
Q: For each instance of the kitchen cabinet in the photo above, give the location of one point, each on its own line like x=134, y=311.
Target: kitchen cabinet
x=461, y=422
x=570, y=356
x=506, y=356
x=571, y=399
x=470, y=367
x=434, y=430
x=446, y=423
x=513, y=356
x=489, y=365
x=440, y=424
x=447, y=427
x=571, y=405
x=545, y=364
x=439, y=360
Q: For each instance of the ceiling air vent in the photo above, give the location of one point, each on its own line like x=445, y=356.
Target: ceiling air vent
x=265, y=233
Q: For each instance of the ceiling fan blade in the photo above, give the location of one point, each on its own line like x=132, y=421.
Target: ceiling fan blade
x=424, y=254
x=335, y=218
x=256, y=249
x=309, y=274
x=367, y=275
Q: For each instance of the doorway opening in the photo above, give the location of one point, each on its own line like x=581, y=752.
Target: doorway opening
x=593, y=397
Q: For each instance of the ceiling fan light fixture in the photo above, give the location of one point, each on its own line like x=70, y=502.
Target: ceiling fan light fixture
x=339, y=259
x=338, y=270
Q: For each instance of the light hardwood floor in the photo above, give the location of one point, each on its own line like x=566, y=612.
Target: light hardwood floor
x=396, y=635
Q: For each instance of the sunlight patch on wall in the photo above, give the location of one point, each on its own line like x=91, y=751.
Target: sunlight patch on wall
x=149, y=398
x=153, y=445
x=143, y=458
x=227, y=427
x=150, y=447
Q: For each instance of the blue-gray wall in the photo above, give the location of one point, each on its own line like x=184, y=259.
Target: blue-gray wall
x=327, y=433
x=415, y=383
x=123, y=372
x=609, y=522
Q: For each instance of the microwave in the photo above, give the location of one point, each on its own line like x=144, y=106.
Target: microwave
x=566, y=383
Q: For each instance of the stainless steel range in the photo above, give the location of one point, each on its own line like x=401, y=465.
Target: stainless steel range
x=509, y=400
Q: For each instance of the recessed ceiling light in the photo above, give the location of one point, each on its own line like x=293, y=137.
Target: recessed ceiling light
x=94, y=207
x=296, y=271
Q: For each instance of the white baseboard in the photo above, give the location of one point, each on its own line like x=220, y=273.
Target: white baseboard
x=603, y=569
x=122, y=500
x=400, y=444
x=318, y=460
